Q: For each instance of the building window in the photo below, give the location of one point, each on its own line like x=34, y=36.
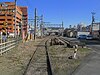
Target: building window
x=2, y=19
x=9, y=19
x=24, y=28
x=19, y=13
x=9, y=24
x=1, y=23
x=24, y=15
x=2, y=14
x=9, y=15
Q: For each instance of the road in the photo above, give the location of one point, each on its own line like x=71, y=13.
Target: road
x=91, y=64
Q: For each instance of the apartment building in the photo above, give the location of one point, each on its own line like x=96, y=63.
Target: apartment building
x=7, y=18
x=24, y=19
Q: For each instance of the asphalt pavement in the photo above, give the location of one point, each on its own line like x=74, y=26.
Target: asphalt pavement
x=91, y=64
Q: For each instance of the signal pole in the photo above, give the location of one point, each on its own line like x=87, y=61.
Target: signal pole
x=62, y=28
x=35, y=24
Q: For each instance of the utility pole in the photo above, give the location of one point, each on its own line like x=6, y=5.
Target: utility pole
x=5, y=23
x=41, y=25
x=93, y=20
x=62, y=24
x=62, y=28
x=35, y=24
x=15, y=18
x=70, y=26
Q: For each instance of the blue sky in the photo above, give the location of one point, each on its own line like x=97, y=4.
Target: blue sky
x=71, y=12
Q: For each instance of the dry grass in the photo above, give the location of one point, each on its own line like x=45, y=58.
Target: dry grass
x=15, y=61
x=61, y=65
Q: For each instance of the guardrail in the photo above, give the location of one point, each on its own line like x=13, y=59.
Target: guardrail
x=6, y=46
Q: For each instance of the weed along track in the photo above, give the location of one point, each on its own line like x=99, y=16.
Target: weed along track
x=39, y=63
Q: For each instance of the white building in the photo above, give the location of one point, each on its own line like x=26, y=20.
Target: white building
x=96, y=30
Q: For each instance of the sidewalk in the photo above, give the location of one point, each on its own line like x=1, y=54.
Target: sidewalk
x=90, y=66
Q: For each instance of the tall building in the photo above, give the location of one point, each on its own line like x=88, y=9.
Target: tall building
x=7, y=17
x=24, y=20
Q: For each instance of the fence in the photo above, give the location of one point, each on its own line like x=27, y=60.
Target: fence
x=4, y=47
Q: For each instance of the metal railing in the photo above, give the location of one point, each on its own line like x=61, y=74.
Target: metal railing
x=6, y=46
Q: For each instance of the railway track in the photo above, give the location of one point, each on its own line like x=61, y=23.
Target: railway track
x=39, y=63
x=67, y=42
x=72, y=43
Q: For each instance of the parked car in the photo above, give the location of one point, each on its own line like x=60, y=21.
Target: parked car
x=89, y=37
x=82, y=37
